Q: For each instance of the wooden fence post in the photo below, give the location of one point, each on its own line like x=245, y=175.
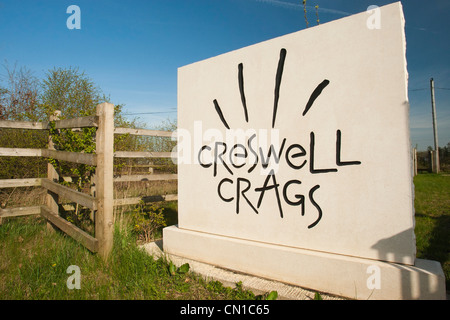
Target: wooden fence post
x=104, y=220
x=52, y=175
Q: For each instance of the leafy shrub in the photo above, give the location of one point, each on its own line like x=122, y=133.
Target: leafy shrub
x=147, y=220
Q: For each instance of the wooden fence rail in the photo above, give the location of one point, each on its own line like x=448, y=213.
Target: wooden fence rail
x=81, y=122
x=103, y=202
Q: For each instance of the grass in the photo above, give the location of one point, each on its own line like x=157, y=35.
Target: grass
x=34, y=262
x=432, y=207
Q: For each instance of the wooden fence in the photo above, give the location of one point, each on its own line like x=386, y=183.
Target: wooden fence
x=102, y=201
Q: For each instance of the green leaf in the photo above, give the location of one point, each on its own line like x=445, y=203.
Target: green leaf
x=317, y=296
x=272, y=295
x=184, y=268
x=172, y=268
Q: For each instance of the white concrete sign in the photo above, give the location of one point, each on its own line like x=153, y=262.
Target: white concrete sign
x=302, y=141
x=294, y=161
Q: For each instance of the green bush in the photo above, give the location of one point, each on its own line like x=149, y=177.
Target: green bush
x=147, y=220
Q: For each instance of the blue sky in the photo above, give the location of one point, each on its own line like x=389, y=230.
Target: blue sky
x=132, y=49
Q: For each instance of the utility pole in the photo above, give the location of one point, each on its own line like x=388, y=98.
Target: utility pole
x=435, y=164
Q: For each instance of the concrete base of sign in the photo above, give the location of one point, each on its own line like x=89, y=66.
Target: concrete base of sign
x=340, y=275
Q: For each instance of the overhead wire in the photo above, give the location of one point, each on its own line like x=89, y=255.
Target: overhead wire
x=152, y=112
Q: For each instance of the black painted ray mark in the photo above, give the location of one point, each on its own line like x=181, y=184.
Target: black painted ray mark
x=278, y=83
x=316, y=93
x=241, y=89
x=219, y=112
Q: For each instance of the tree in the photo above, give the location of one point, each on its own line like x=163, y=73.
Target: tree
x=24, y=97
x=19, y=100
x=71, y=92
x=19, y=95
x=76, y=95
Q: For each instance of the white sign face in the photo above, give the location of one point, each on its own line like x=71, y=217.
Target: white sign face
x=302, y=141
